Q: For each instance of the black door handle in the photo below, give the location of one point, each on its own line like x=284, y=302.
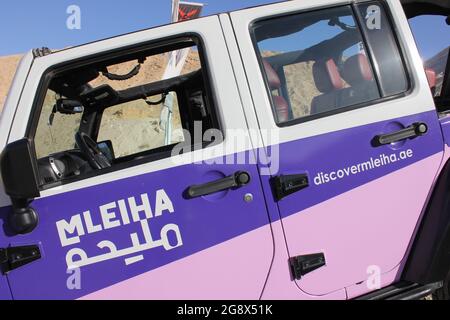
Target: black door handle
x=237, y=180
x=284, y=186
x=413, y=131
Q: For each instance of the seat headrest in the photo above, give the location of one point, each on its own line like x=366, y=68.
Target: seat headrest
x=357, y=70
x=431, y=76
x=272, y=76
x=326, y=76
x=282, y=108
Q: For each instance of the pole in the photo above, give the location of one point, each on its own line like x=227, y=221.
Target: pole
x=180, y=11
x=167, y=111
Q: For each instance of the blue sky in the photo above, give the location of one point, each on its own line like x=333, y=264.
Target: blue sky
x=432, y=34
x=28, y=24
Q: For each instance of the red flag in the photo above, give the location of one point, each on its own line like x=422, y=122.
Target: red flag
x=189, y=10
x=181, y=11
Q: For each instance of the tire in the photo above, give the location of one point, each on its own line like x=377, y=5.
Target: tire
x=444, y=292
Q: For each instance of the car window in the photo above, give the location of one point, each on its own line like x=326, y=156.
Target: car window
x=318, y=63
x=122, y=111
x=60, y=134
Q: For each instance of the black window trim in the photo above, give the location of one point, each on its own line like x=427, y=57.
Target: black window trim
x=163, y=152
x=354, y=5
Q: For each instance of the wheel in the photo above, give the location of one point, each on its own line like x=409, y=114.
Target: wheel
x=444, y=292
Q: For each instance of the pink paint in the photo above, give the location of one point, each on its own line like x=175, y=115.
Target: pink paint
x=395, y=274
x=217, y=274
x=346, y=226
x=279, y=284
x=220, y=272
x=361, y=289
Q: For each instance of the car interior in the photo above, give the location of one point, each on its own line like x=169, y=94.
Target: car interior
x=341, y=80
x=76, y=94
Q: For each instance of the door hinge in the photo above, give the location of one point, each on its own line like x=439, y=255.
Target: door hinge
x=284, y=186
x=13, y=258
x=41, y=52
x=303, y=265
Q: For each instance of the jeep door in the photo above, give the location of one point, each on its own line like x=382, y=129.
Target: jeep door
x=137, y=230
x=360, y=141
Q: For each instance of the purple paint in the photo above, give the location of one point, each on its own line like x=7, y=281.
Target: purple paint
x=207, y=223
x=5, y=292
x=343, y=149
x=203, y=224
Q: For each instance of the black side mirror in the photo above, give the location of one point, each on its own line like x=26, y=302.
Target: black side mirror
x=106, y=147
x=20, y=179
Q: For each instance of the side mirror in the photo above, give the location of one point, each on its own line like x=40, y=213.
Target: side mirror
x=106, y=147
x=20, y=179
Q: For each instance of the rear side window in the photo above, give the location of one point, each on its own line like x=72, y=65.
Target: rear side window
x=386, y=56
x=318, y=63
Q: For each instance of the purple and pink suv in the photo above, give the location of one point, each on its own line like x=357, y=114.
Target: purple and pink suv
x=299, y=153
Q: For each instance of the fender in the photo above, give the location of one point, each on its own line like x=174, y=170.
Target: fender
x=429, y=260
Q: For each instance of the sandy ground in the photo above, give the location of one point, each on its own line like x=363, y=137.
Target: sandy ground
x=8, y=67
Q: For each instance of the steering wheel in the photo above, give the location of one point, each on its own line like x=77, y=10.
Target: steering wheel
x=96, y=159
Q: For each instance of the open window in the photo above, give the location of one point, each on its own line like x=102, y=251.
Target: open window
x=435, y=15
x=121, y=110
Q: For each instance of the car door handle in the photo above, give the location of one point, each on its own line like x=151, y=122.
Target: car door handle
x=285, y=185
x=237, y=180
x=413, y=131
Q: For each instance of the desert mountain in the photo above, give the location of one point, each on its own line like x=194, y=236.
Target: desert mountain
x=8, y=67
